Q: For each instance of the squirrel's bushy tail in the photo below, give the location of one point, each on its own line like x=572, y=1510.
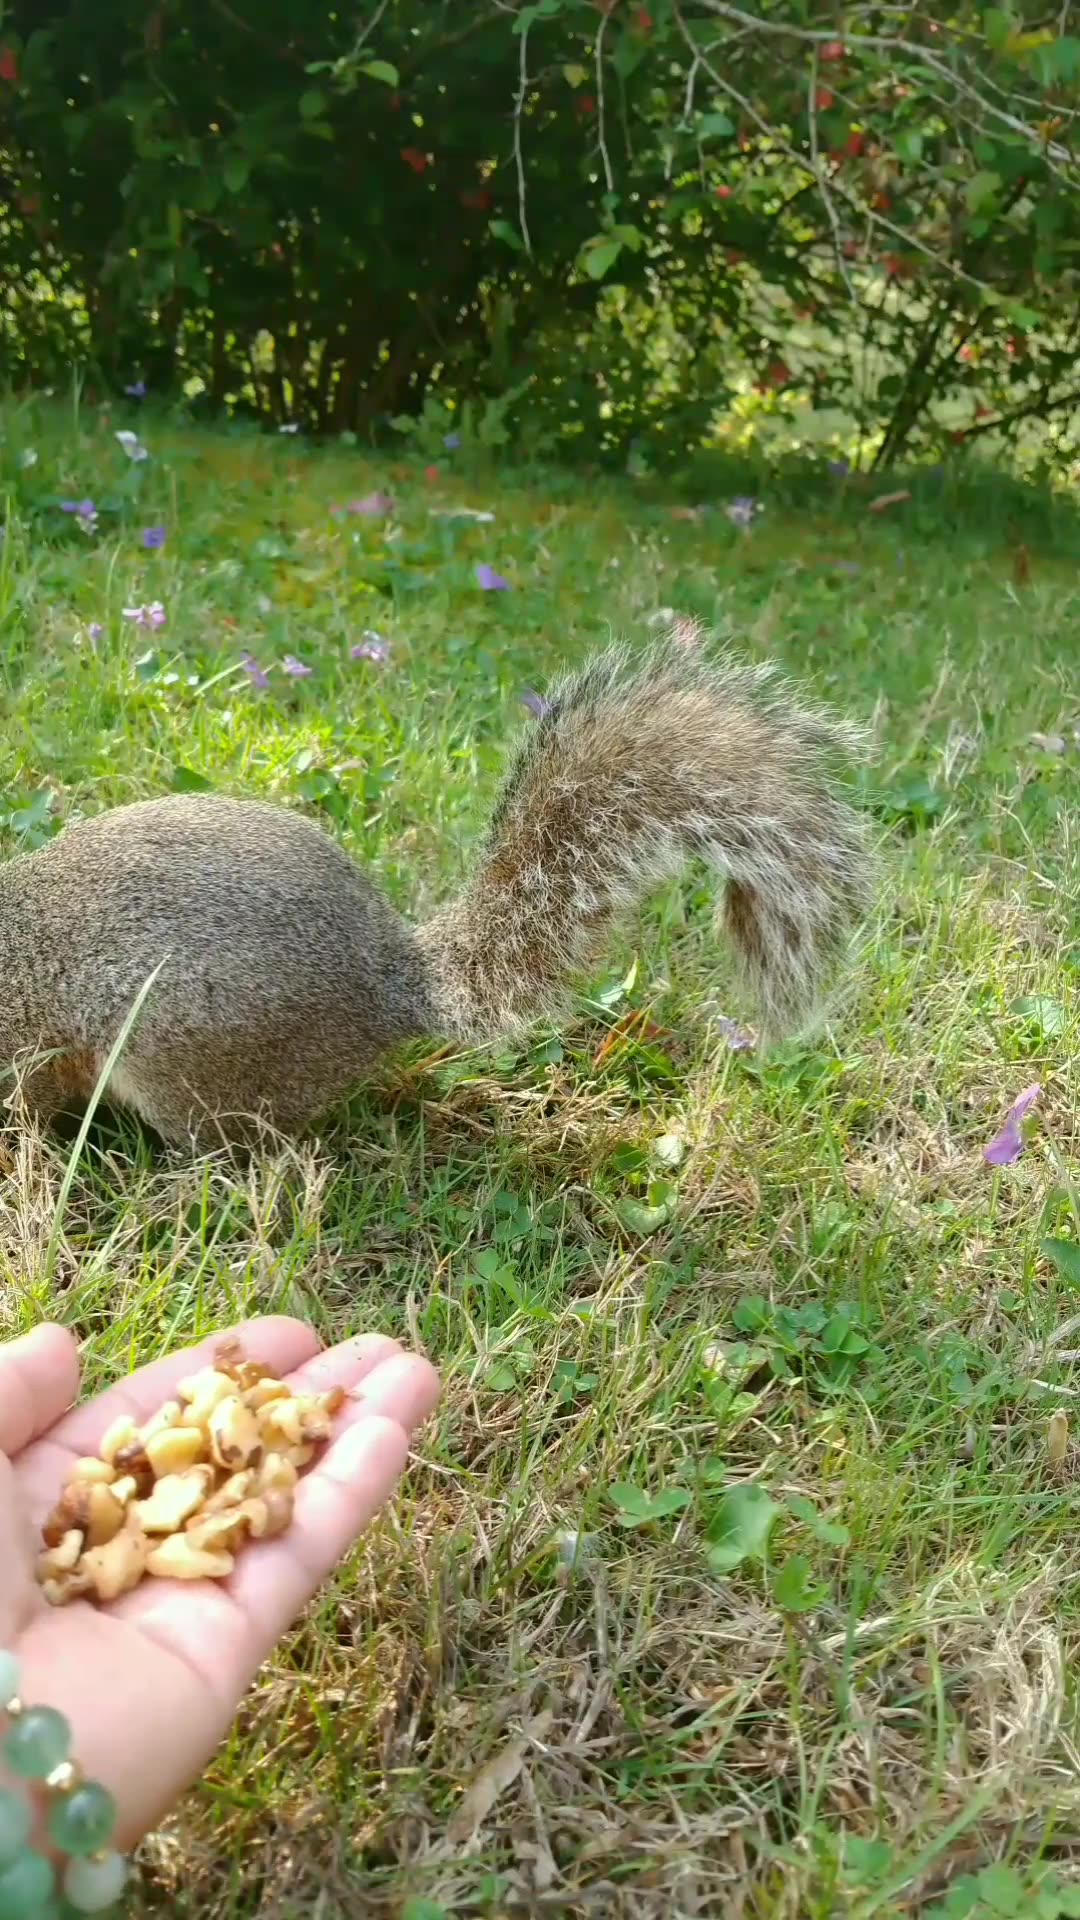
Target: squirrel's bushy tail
x=640, y=762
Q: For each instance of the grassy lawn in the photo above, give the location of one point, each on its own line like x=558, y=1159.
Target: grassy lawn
x=655, y=1271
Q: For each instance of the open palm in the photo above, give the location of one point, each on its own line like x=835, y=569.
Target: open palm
x=151, y=1683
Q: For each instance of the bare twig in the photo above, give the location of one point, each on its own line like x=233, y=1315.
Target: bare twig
x=519, y=108
x=601, y=136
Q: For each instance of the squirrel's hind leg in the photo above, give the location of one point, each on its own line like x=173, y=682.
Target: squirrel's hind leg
x=205, y=1111
x=43, y=1091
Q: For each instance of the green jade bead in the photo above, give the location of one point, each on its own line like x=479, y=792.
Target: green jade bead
x=26, y=1887
x=82, y=1821
x=37, y=1742
x=15, y=1824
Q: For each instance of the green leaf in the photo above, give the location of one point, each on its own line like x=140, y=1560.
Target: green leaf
x=417, y=1908
x=34, y=814
x=599, y=255
x=1042, y=1012
x=909, y=145
x=186, y=780
x=719, y=125
x=646, y=1217
x=1057, y=63
x=312, y=104
x=501, y=1379
x=866, y=1860
x=503, y=230
x=381, y=70
x=236, y=172
x=793, y=1588
x=1002, y=1889
x=1065, y=1255
x=831, y=1532
x=740, y=1527
x=574, y=75
x=982, y=191
x=998, y=26
x=638, y=1509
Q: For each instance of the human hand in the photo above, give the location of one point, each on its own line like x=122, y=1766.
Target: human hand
x=151, y=1683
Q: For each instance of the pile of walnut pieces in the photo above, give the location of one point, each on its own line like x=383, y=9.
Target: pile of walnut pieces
x=178, y=1495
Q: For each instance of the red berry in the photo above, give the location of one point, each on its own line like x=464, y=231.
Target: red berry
x=831, y=50
x=854, y=145
x=723, y=193
x=9, y=65
x=413, y=158
x=431, y=473
x=823, y=99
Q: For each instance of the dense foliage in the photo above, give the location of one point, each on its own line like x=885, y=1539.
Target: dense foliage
x=596, y=219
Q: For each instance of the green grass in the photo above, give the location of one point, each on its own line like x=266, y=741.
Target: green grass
x=841, y=1302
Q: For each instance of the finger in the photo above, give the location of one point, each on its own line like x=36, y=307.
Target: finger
x=335, y=1502
x=347, y=1365
x=39, y=1378
x=274, y=1340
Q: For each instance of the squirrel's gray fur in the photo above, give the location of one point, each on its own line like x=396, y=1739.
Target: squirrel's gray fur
x=287, y=974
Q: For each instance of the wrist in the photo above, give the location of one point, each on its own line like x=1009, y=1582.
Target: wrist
x=56, y=1828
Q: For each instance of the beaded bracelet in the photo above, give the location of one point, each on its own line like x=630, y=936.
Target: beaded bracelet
x=80, y=1818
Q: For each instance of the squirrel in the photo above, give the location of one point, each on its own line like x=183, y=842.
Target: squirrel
x=285, y=973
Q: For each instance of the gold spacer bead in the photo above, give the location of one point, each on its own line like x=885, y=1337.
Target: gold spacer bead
x=64, y=1778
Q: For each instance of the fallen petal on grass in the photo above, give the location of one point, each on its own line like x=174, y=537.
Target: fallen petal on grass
x=489, y=580
x=295, y=668
x=1008, y=1145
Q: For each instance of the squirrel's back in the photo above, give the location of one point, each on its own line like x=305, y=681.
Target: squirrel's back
x=285, y=973
x=284, y=967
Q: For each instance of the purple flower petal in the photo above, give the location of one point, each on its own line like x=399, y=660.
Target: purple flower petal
x=743, y=511
x=95, y=630
x=839, y=469
x=739, y=1039
x=372, y=504
x=489, y=580
x=535, y=702
x=137, y=390
x=295, y=668
x=258, y=676
x=153, y=615
x=1008, y=1145
x=371, y=647
x=153, y=537
x=84, y=508
x=451, y=441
